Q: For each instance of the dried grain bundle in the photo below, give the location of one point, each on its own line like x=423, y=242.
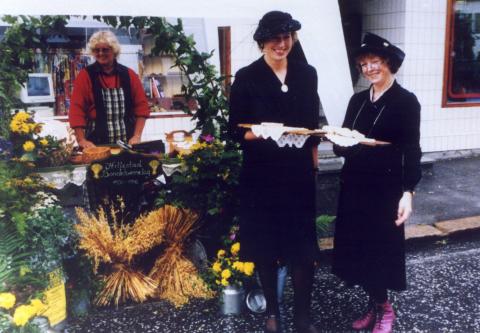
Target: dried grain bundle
x=147, y=232
x=109, y=243
x=95, y=236
x=177, y=277
x=123, y=284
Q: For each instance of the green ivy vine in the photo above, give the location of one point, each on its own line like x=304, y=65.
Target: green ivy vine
x=17, y=51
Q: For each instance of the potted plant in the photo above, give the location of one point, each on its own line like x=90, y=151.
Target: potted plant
x=227, y=275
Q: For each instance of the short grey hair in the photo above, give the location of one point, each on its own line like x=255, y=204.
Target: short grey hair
x=104, y=37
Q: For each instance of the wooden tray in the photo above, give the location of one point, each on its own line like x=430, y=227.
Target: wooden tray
x=321, y=133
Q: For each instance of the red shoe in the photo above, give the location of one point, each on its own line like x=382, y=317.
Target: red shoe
x=385, y=318
x=366, y=321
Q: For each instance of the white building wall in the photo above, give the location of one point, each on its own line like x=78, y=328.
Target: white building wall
x=419, y=28
x=385, y=18
x=450, y=128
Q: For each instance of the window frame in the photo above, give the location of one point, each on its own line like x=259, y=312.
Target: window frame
x=448, y=65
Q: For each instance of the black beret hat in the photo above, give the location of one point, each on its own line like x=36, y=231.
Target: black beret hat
x=375, y=44
x=274, y=23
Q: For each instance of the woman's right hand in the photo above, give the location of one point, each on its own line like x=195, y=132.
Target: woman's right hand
x=249, y=136
x=86, y=144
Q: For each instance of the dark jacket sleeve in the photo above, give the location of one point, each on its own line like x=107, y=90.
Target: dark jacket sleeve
x=239, y=108
x=314, y=122
x=412, y=172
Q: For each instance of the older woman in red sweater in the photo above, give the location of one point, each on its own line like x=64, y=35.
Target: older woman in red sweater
x=108, y=102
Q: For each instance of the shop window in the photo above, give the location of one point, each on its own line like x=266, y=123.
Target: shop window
x=462, y=65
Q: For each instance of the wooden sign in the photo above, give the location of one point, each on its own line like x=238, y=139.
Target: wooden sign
x=121, y=177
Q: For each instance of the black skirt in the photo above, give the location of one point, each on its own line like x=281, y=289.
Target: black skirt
x=277, y=218
x=369, y=249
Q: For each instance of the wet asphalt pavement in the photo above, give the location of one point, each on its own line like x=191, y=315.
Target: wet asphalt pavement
x=443, y=277
x=443, y=294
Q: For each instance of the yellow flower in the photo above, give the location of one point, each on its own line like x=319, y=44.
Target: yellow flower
x=23, y=314
x=226, y=274
x=44, y=142
x=235, y=248
x=217, y=267
x=218, y=281
x=221, y=253
x=224, y=282
x=248, y=268
x=21, y=116
x=28, y=146
x=239, y=266
x=194, y=169
x=28, y=180
x=14, y=126
x=37, y=305
x=7, y=300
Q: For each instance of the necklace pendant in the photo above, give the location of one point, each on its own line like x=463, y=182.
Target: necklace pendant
x=284, y=88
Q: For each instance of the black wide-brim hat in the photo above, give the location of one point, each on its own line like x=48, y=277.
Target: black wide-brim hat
x=374, y=44
x=274, y=23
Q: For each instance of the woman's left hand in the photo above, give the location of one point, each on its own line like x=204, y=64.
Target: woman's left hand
x=404, y=208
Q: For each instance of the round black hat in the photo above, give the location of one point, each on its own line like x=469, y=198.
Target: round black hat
x=274, y=23
x=375, y=44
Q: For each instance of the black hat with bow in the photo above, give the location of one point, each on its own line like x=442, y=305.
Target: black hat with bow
x=374, y=44
x=274, y=23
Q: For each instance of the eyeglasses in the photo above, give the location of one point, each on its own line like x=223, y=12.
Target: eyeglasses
x=102, y=49
x=373, y=65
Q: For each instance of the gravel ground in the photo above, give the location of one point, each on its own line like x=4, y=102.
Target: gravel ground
x=442, y=297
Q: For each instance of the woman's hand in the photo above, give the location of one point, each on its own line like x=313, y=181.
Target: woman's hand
x=249, y=136
x=404, y=208
x=85, y=144
x=134, y=140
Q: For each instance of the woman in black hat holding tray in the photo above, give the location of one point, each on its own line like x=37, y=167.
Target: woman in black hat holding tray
x=277, y=184
x=377, y=183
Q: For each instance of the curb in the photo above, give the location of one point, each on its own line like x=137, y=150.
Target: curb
x=416, y=232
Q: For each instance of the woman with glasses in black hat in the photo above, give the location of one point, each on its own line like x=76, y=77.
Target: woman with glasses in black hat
x=277, y=190
x=377, y=183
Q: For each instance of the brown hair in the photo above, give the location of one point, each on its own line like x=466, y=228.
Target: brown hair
x=261, y=43
x=392, y=63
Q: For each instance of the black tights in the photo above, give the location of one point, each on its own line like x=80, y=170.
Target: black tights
x=302, y=279
x=376, y=295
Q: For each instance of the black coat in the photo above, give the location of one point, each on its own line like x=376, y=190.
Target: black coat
x=277, y=185
x=369, y=248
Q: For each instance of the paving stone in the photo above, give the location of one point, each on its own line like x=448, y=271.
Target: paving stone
x=422, y=231
x=458, y=225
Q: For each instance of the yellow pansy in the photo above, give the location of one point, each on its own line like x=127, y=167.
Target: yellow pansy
x=23, y=314
x=21, y=116
x=217, y=267
x=238, y=265
x=218, y=281
x=226, y=274
x=38, y=305
x=23, y=129
x=28, y=146
x=224, y=282
x=248, y=268
x=43, y=142
x=235, y=248
x=7, y=300
x=221, y=253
